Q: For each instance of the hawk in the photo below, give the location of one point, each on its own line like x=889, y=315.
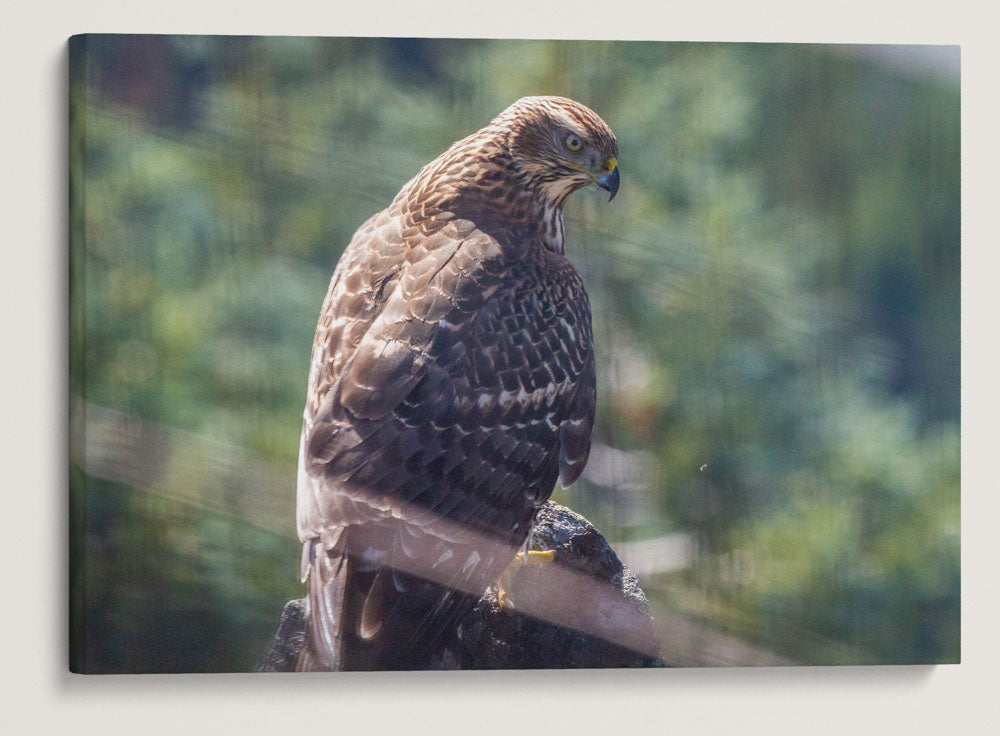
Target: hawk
x=452, y=383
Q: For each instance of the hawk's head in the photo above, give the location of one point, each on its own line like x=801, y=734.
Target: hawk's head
x=517, y=171
x=560, y=146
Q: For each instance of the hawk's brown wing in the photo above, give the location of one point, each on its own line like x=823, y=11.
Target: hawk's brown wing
x=452, y=380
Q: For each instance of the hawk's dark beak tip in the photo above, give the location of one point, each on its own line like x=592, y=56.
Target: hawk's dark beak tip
x=610, y=182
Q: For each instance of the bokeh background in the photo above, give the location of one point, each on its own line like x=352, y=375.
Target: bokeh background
x=776, y=304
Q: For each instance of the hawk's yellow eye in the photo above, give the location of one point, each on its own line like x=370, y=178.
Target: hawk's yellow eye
x=573, y=142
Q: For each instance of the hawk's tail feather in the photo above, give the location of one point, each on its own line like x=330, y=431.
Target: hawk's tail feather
x=418, y=618
x=328, y=578
x=361, y=616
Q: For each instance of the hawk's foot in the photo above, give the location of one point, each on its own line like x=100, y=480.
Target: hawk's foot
x=522, y=559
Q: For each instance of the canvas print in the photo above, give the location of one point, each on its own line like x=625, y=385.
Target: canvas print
x=416, y=354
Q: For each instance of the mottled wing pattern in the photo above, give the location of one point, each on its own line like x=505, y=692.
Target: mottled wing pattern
x=451, y=382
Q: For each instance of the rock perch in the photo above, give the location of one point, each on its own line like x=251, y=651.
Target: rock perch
x=585, y=609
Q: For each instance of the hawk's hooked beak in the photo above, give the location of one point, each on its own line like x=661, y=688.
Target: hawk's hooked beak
x=610, y=179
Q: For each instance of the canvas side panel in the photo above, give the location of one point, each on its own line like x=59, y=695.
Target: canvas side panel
x=77, y=334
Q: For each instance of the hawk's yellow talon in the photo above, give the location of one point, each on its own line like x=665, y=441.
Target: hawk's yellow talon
x=531, y=557
x=537, y=556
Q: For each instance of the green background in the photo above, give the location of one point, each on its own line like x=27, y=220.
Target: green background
x=776, y=304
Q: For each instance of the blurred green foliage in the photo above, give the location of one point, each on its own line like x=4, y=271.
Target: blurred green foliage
x=775, y=294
